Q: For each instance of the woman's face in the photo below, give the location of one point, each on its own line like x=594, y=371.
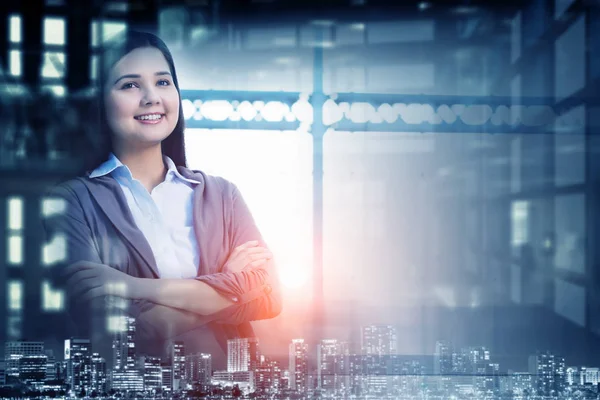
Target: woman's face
x=142, y=102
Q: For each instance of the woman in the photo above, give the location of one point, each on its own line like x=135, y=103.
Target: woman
x=142, y=215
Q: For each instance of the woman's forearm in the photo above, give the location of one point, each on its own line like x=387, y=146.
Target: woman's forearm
x=184, y=294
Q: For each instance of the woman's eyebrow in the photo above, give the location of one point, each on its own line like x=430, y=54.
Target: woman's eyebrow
x=137, y=76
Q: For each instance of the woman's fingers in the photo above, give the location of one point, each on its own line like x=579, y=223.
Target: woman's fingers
x=79, y=276
x=257, y=263
x=267, y=255
x=92, y=293
x=85, y=286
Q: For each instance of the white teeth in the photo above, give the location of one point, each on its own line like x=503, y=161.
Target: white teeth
x=150, y=117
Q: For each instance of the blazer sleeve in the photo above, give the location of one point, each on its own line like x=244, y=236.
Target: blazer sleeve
x=68, y=221
x=256, y=293
x=154, y=321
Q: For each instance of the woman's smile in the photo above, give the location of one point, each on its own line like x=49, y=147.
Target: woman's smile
x=150, y=119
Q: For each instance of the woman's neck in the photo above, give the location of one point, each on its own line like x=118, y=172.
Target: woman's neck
x=146, y=165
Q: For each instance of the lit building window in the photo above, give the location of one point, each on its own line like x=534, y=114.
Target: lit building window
x=14, y=235
x=57, y=90
x=55, y=251
x=94, y=67
x=15, y=295
x=519, y=221
x=54, y=65
x=54, y=31
x=15, y=213
x=15, y=249
x=15, y=62
x=15, y=28
x=52, y=206
x=117, y=323
x=52, y=300
x=109, y=30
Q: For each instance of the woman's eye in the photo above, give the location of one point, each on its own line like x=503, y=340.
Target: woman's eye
x=164, y=82
x=128, y=85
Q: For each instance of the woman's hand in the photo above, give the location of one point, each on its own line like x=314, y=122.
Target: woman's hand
x=247, y=255
x=87, y=280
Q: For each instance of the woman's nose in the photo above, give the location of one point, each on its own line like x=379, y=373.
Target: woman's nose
x=150, y=97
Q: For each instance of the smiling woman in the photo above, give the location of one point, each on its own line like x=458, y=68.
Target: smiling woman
x=141, y=215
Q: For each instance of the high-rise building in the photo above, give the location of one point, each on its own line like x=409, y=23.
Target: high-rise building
x=267, y=376
x=572, y=376
x=178, y=367
x=167, y=375
x=263, y=375
x=198, y=368
x=32, y=370
x=152, y=373
x=298, y=363
x=99, y=376
x=591, y=376
x=125, y=374
x=52, y=371
x=2, y=373
x=522, y=383
x=123, y=347
x=333, y=365
x=442, y=358
x=78, y=355
x=356, y=373
x=14, y=351
x=243, y=354
x=378, y=344
x=549, y=371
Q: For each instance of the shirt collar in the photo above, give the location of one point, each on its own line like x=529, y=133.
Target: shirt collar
x=173, y=172
x=109, y=166
x=114, y=164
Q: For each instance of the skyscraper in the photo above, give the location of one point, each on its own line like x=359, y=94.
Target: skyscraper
x=125, y=375
x=298, y=363
x=442, y=358
x=152, y=373
x=178, y=357
x=78, y=355
x=32, y=369
x=333, y=365
x=243, y=354
x=14, y=351
x=549, y=371
x=167, y=375
x=378, y=344
x=198, y=368
x=99, y=376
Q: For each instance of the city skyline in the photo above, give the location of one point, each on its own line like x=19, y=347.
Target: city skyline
x=377, y=369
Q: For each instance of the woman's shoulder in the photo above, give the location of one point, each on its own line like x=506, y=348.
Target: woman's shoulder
x=209, y=182
x=72, y=189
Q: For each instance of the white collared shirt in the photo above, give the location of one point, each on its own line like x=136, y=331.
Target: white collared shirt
x=164, y=216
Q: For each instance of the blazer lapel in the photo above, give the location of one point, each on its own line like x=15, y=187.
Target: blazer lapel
x=109, y=197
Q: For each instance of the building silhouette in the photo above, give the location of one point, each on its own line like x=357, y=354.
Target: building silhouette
x=125, y=374
x=298, y=365
x=178, y=367
x=198, y=368
x=78, y=356
x=549, y=370
x=243, y=354
x=333, y=366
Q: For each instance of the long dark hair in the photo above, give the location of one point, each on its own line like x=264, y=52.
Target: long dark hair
x=172, y=146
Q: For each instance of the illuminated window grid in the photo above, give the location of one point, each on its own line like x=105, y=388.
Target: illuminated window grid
x=54, y=60
x=15, y=231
